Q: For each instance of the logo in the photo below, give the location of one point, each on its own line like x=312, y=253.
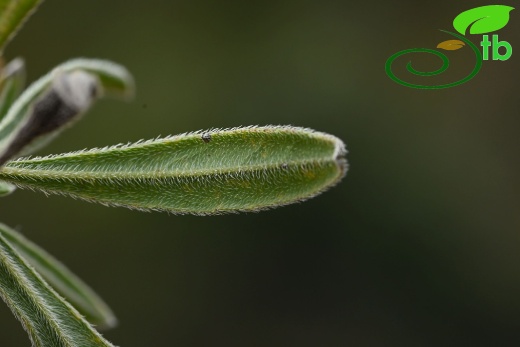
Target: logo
x=479, y=20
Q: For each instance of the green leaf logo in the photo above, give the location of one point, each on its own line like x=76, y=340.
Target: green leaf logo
x=483, y=19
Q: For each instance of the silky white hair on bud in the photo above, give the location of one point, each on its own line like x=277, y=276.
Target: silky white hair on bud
x=78, y=89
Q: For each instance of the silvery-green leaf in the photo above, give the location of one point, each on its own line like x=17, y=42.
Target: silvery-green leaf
x=6, y=188
x=12, y=81
x=218, y=171
x=56, y=100
x=482, y=20
x=48, y=319
x=79, y=294
x=13, y=13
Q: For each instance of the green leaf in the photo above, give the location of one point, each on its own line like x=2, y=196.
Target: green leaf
x=6, y=188
x=47, y=318
x=56, y=100
x=12, y=82
x=218, y=171
x=13, y=14
x=484, y=19
x=79, y=294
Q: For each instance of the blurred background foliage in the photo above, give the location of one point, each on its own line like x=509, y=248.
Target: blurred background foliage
x=419, y=246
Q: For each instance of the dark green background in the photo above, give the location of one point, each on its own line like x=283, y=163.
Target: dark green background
x=418, y=246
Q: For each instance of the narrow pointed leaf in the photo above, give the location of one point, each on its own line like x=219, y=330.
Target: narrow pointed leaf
x=79, y=294
x=47, y=318
x=11, y=84
x=242, y=169
x=6, y=188
x=55, y=101
x=482, y=20
x=13, y=13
